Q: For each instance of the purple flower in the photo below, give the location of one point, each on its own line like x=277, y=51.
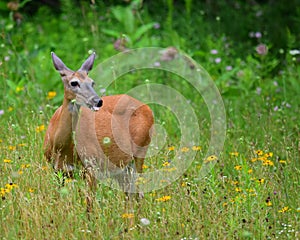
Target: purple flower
x=156, y=25
x=214, y=51
x=1, y=112
x=262, y=49
x=258, y=91
x=276, y=108
x=258, y=35
x=156, y=64
x=218, y=60
x=228, y=68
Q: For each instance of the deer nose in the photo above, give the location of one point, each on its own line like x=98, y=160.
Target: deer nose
x=100, y=103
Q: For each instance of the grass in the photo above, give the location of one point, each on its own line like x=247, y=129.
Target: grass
x=250, y=193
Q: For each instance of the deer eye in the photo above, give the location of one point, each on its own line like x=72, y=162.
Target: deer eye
x=75, y=84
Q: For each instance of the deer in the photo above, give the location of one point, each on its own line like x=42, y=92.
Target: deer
x=108, y=135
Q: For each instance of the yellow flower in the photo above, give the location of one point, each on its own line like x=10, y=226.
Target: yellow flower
x=51, y=95
x=185, y=149
x=234, y=182
x=238, y=167
x=12, y=148
x=269, y=203
x=237, y=189
x=171, y=148
x=268, y=163
x=259, y=152
x=31, y=190
x=261, y=180
x=40, y=128
x=254, y=159
x=19, y=89
x=282, y=161
x=163, y=199
x=127, y=215
x=22, y=144
x=7, y=161
x=196, y=148
x=250, y=171
x=284, y=209
x=10, y=109
x=20, y=172
x=145, y=166
x=269, y=154
x=166, y=164
x=211, y=158
x=234, y=154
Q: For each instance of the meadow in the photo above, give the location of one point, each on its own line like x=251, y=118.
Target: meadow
x=252, y=189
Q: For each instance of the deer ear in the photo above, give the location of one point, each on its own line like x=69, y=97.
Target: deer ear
x=88, y=64
x=59, y=65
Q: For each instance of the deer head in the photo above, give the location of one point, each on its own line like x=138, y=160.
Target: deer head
x=78, y=86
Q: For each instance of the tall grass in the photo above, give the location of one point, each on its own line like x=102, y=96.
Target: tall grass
x=252, y=191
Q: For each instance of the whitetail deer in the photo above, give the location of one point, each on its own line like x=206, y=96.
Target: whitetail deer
x=80, y=127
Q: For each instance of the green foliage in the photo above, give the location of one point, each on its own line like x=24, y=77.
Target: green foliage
x=250, y=193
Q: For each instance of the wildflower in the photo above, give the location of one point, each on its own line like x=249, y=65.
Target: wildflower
x=185, y=149
x=12, y=148
x=20, y=172
x=40, y=128
x=234, y=182
x=218, y=60
x=171, y=148
x=250, y=171
x=145, y=166
x=25, y=165
x=228, y=68
x=284, y=209
x=196, y=148
x=262, y=49
x=238, y=167
x=19, y=89
x=156, y=25
x=22, y=144
x=211, y=158
x=127, y=215
x=1, y=112
x=166, y=164
x=259, y=152
x=269, y=203
x=268, y=163
x=144, y=221
x=237, y=189
x=261, y=180
x=214, y=51
x=7, y=161
x=254, y=159
x=294, y=52
x=51, y=95
x=282, y=161
x=163, y=199
x=234, y=154
x=258, y=35
x=269, y=154
x=10, y=109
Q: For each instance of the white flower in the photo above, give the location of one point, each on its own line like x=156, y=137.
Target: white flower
x=294, y=52
x=145, y=221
